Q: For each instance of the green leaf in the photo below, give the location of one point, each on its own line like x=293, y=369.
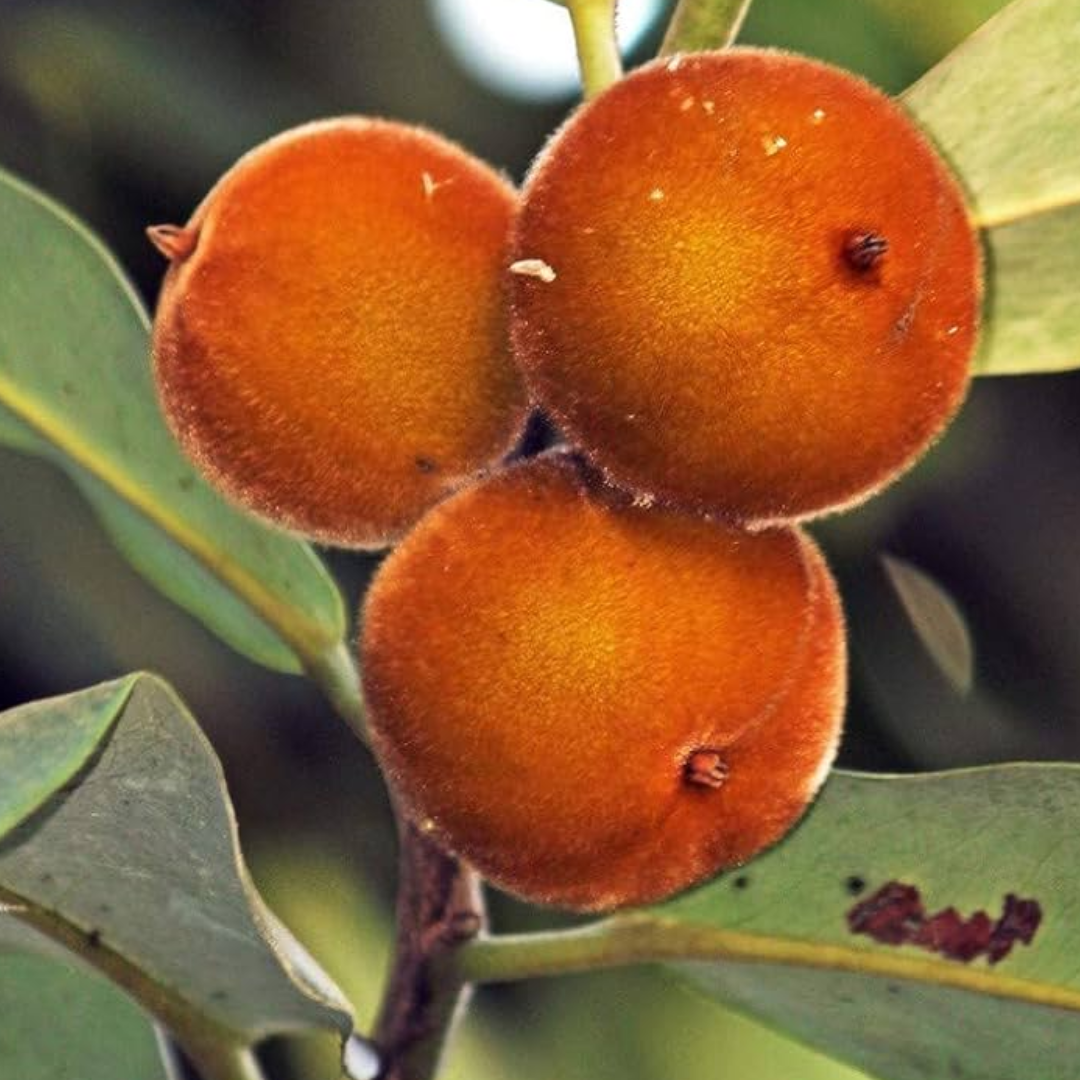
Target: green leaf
x=703, y=24
x=58, y=1021
x=42, y=745
x=936, y=619
x=1031, y=318
x=76, y=387
x=964, y=839
x=773, y=939
x=1004, y=108
x=135, y=867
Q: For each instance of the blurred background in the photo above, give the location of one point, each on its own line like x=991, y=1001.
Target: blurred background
x=127, y=110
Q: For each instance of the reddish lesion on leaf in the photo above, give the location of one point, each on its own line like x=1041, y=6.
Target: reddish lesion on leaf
x=896, y=915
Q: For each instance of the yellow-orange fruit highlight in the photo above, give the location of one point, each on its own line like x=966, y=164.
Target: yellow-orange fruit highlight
x=596, y=703
x=744, y=282
x=330, y=342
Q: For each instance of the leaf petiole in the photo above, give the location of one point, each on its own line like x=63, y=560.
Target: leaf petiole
x=597, y=47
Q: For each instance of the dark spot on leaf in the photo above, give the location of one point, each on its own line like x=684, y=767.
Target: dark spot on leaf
x=895, y=915
x=950, y=934
x=45, y=878
x=741, y=882
x=892, y=915
x=105, y=909
x=855, y=885
x=1019, y=921
x=892, y=988
x=186, y=483
x=426, y=465
x=68, y=389
x=93, y=938
x=219, y=995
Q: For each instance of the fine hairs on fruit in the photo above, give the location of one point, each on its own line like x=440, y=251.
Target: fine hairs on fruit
x=595, y=703
x=330, y=342
x=745, y=283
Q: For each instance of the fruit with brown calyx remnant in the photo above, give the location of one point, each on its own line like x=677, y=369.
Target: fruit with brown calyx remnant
x=752, y=287
x=597, y=703
x=330, y=339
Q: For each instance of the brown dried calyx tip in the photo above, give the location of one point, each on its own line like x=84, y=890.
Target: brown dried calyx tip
x=705, y=768
x=173, y=241
x=863, y=251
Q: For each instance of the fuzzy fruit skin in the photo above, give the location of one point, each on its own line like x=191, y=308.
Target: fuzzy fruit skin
x=332, y=353
x=542, y=657
x=704, y=338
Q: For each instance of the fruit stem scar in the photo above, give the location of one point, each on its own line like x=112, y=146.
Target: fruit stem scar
x=705, y=768
x=536, y=268
x=173, y=241
x=863, y=251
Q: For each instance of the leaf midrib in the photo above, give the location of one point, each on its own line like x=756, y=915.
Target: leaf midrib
x=641, y=939
x=164, y=1002
x=302, y=634
x=1013, y=214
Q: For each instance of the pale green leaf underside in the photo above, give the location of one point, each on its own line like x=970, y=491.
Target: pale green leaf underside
x=136, y=868
x=1031, y=317
x=1005, y=110
x=44, y=744
x=963, y=839
x=76, y=386
x=936, y=619
x=59, y=1021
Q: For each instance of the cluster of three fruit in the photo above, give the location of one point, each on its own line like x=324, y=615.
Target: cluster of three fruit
x=745, y=289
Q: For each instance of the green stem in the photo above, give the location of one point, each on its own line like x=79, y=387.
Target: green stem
x=336, y=675
x=704, y=24
x=512, y=957
x=597, y=47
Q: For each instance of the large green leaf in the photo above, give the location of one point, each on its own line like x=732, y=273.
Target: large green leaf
x=59, y=1021
x=1005, y=109
x=964, y=839
x=1032, y=320
x=134, y=866
x=76, y=386
x=775, y=939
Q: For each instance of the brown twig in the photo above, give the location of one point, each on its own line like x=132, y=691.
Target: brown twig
x=439, y=908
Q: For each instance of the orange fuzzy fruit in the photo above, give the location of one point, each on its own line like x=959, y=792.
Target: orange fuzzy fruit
x=744, y=282
x=597, y=703
x=330, y=341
